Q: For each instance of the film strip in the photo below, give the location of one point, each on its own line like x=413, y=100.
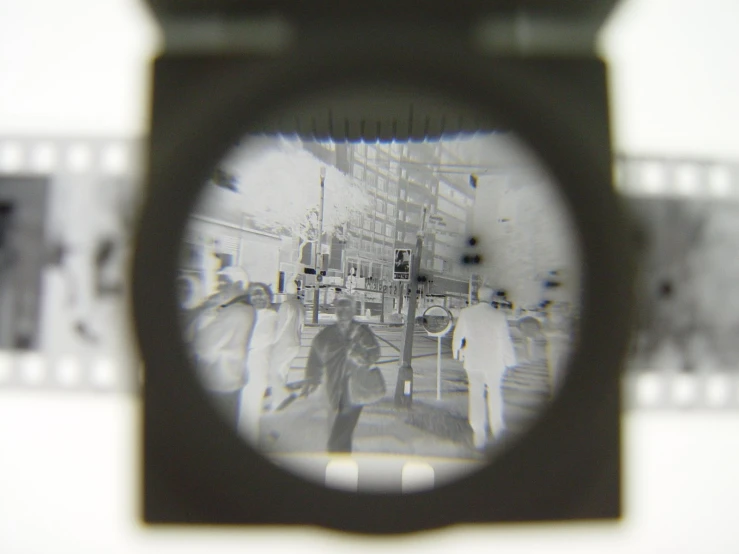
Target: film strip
x=92, y=373
x=75, y=156
x=650, y=390
x=666, y=177
x=59, y=363
x=84, y=186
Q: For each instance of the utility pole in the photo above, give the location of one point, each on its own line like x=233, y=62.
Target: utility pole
x=404, y=385
x=319, y=277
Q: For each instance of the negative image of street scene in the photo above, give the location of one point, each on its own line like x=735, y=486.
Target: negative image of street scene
x=415, y=299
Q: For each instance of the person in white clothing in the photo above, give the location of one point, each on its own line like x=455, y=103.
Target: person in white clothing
x=290, y=321
x=351, y=281
x=482, y=340
x=218, y=332
x=258, y=363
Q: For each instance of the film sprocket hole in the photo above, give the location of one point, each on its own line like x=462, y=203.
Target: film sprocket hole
x=375, y=116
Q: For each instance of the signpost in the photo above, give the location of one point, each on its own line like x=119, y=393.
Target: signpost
x=437, y=321
x=404, y=384
x=319, y=277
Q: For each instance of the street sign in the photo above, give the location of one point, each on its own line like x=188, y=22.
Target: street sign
x=437, y=321
x=374, y=297
x=436, y=223
x=402, y=267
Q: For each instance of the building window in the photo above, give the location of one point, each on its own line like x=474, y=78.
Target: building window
x=367, y=223
x=393, y=188
x=415, y=198
x=380, y=206
x=402, y=194
x=452, y=209
x=390, y=210
x=414, y=218
x=378, y=227
x=382, y=184
x=366, y=245
x=371, y=179
x=388, y=230
x=358, y=171
x=445, y=190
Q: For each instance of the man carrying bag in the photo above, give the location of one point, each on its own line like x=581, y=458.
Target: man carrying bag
x=342, y=355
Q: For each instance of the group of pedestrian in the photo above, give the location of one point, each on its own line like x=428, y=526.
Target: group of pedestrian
x=243, y=347
x=513, y=370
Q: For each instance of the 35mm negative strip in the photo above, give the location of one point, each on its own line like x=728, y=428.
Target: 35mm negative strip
x=64, y=361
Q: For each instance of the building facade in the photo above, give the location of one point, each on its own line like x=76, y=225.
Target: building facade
x=402, y=180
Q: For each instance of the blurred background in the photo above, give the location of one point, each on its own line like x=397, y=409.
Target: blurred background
x=74, y=83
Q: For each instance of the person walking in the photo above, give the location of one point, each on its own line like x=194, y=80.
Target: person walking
x=527, y=385
x=289, y=330
x=218, y=332
x=335, y=353
x=482, y=340
x=263, y=335
x=351, y=281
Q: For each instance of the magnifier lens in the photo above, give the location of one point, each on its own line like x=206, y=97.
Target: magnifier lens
x=380, y=302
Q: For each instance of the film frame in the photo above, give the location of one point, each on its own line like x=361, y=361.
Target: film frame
x=72, y=170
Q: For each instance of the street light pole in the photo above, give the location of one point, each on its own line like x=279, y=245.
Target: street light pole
x=319, y=277
x=404, y=384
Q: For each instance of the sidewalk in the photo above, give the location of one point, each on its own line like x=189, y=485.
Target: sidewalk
x=434, y=428
x=431, y=427
x=424, y=430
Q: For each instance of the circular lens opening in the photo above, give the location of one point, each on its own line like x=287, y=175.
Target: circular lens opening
x=407, y=307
